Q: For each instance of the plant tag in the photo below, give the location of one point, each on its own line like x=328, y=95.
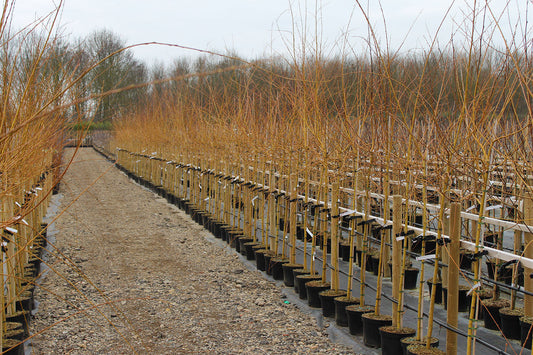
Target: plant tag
x=477, y=285
x=347, y=213
x=18, y=204
x=309, y=232
x=206, y=199
x=11, y=230
x=24, y=221
x=426, y=257
x=253, y=199
x=399, y=239
x=39, y=188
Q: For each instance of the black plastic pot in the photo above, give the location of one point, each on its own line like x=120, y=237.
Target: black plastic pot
x=430, y=247
x=242, y=241
x=390, y=339
x=344, y=251
x=250, y=251
x=354, y=313
x=405, y=342
x=411, y=278
x=341, y=318
x=300, y=233
x=510, y=320
x=24, y=302
x=295, y=273
x=526, y=331
x=234, y=237
x=374, y=260
x=224, y=232
x=288, y=275
x=465, y=260
x=217, y=229
x=13, y=330
x=491, y=313
x=301, y=280
x=345, y=246
x=260, y=259
x=463, y=304
x=22, y=317
x=313, y=290
x=438, y=293
x=16, y=346
x=327, y=301
x=371, y=325
x=368, y=265
x=358, y=253
x=268, y=266
x=276, y=265
x=320, y=243
x=17, y=334
x=483, y=294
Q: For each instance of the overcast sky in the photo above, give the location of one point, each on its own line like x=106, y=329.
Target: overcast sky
x=253, y=28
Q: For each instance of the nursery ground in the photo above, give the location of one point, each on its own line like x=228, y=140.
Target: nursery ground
x=129, y=273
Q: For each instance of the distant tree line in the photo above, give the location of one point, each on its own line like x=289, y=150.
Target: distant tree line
x=104, y=81
x=439, y=84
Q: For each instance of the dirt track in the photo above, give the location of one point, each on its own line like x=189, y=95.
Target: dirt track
x=133, y=274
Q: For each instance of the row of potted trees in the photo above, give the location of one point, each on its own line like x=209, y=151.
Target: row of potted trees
x=23, y=242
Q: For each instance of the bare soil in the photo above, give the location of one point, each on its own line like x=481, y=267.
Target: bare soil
x=130, y=273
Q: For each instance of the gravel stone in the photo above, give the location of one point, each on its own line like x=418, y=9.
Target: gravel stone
x=130, y=273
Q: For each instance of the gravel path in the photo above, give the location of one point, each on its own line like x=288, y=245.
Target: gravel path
x=133, y=274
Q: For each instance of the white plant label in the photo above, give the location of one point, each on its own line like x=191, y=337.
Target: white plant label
x=399, y=239
x=470, y=208
x=477, y=285
x=309, y=232
x=11, y=230
x=253, y=199
x=426, y=257
x=347, y=213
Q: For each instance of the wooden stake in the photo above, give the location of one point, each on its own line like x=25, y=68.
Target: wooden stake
x=293, y=206
x=528, y=251
x=453, y=277
x=396, y=254
x=334, y=235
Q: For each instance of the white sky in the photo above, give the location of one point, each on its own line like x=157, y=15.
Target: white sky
x=253, y=28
